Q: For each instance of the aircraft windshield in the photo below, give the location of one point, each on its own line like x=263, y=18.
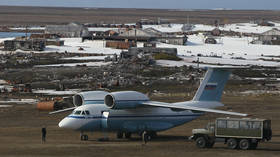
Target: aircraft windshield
x=79, y=112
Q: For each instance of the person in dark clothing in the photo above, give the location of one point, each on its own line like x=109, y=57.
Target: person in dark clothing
x=44, y=133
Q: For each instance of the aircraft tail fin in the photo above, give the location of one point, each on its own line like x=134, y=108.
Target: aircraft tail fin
x=212, y=86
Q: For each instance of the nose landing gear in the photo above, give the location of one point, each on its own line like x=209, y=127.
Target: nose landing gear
x=83, y=137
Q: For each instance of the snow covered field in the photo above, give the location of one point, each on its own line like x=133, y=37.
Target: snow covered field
x=96, y=64
x=19, y=101
x=238, y=27
x=230, y=50
x=3, y=39
x=100, y=58
x=72, y=45
x=29, y=28
x=227, y=46
x=54, y=92
x=209, y=61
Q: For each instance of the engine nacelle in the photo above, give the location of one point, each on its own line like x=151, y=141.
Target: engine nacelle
x=125, y=100
x=91, y=97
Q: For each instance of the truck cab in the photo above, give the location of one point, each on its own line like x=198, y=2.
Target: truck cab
x=237, y=133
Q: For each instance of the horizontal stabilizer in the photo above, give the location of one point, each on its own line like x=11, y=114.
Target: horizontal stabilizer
x=184, y=107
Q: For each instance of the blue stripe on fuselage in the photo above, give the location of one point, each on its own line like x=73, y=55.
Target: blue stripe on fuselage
x=133, y=123
x=144, y=116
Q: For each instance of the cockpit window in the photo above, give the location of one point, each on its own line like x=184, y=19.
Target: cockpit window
x=77, y=112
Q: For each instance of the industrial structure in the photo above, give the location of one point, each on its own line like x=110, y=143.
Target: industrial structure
x=25, y=45
x=152, y=50
x=271, y=37
x=68, y=31
x=136, y=34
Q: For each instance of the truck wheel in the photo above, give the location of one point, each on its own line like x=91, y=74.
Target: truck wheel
x=201, y=142
x=244, y=144
x=232, y=143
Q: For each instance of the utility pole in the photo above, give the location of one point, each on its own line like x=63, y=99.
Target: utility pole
x=197, y=62
x=26, y=30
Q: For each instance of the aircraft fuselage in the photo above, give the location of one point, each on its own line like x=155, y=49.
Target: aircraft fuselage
x=100, y=118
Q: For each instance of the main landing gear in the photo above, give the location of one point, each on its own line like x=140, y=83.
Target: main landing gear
x=84, y=137
x=147, y=136
x=120, y=135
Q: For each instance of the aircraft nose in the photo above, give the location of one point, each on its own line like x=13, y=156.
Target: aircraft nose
x=64, y=123
x=70, y=123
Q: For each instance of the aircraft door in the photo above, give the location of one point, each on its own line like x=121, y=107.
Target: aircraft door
x=104, y=119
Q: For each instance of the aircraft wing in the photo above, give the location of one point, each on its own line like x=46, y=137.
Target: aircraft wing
x=64, y=110
x=185, y=107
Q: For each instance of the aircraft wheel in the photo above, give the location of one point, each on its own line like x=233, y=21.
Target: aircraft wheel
x=232, y=143
x=84, y=137
x=119, y=134
x=201, y=142
x=244, y=144
x=127, y=135
x=153, y=134
x=146, y=137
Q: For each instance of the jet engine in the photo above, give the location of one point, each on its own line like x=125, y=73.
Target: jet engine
x=90, y=97
x=125, y=100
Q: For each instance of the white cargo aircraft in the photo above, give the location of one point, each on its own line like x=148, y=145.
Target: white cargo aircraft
x=130, y=112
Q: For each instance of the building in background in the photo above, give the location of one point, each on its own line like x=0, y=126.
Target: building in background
x=72, y=30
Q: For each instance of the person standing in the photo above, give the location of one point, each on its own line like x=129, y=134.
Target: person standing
x=44, y=133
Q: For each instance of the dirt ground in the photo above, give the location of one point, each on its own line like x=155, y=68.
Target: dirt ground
x=20, y=134
x=47, y=15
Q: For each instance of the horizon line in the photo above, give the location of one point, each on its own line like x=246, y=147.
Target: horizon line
x=170, y=9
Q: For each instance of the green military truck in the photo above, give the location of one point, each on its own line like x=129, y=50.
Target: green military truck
x=237, y=133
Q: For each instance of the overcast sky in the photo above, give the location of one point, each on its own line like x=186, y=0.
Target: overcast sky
x=169, y=4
